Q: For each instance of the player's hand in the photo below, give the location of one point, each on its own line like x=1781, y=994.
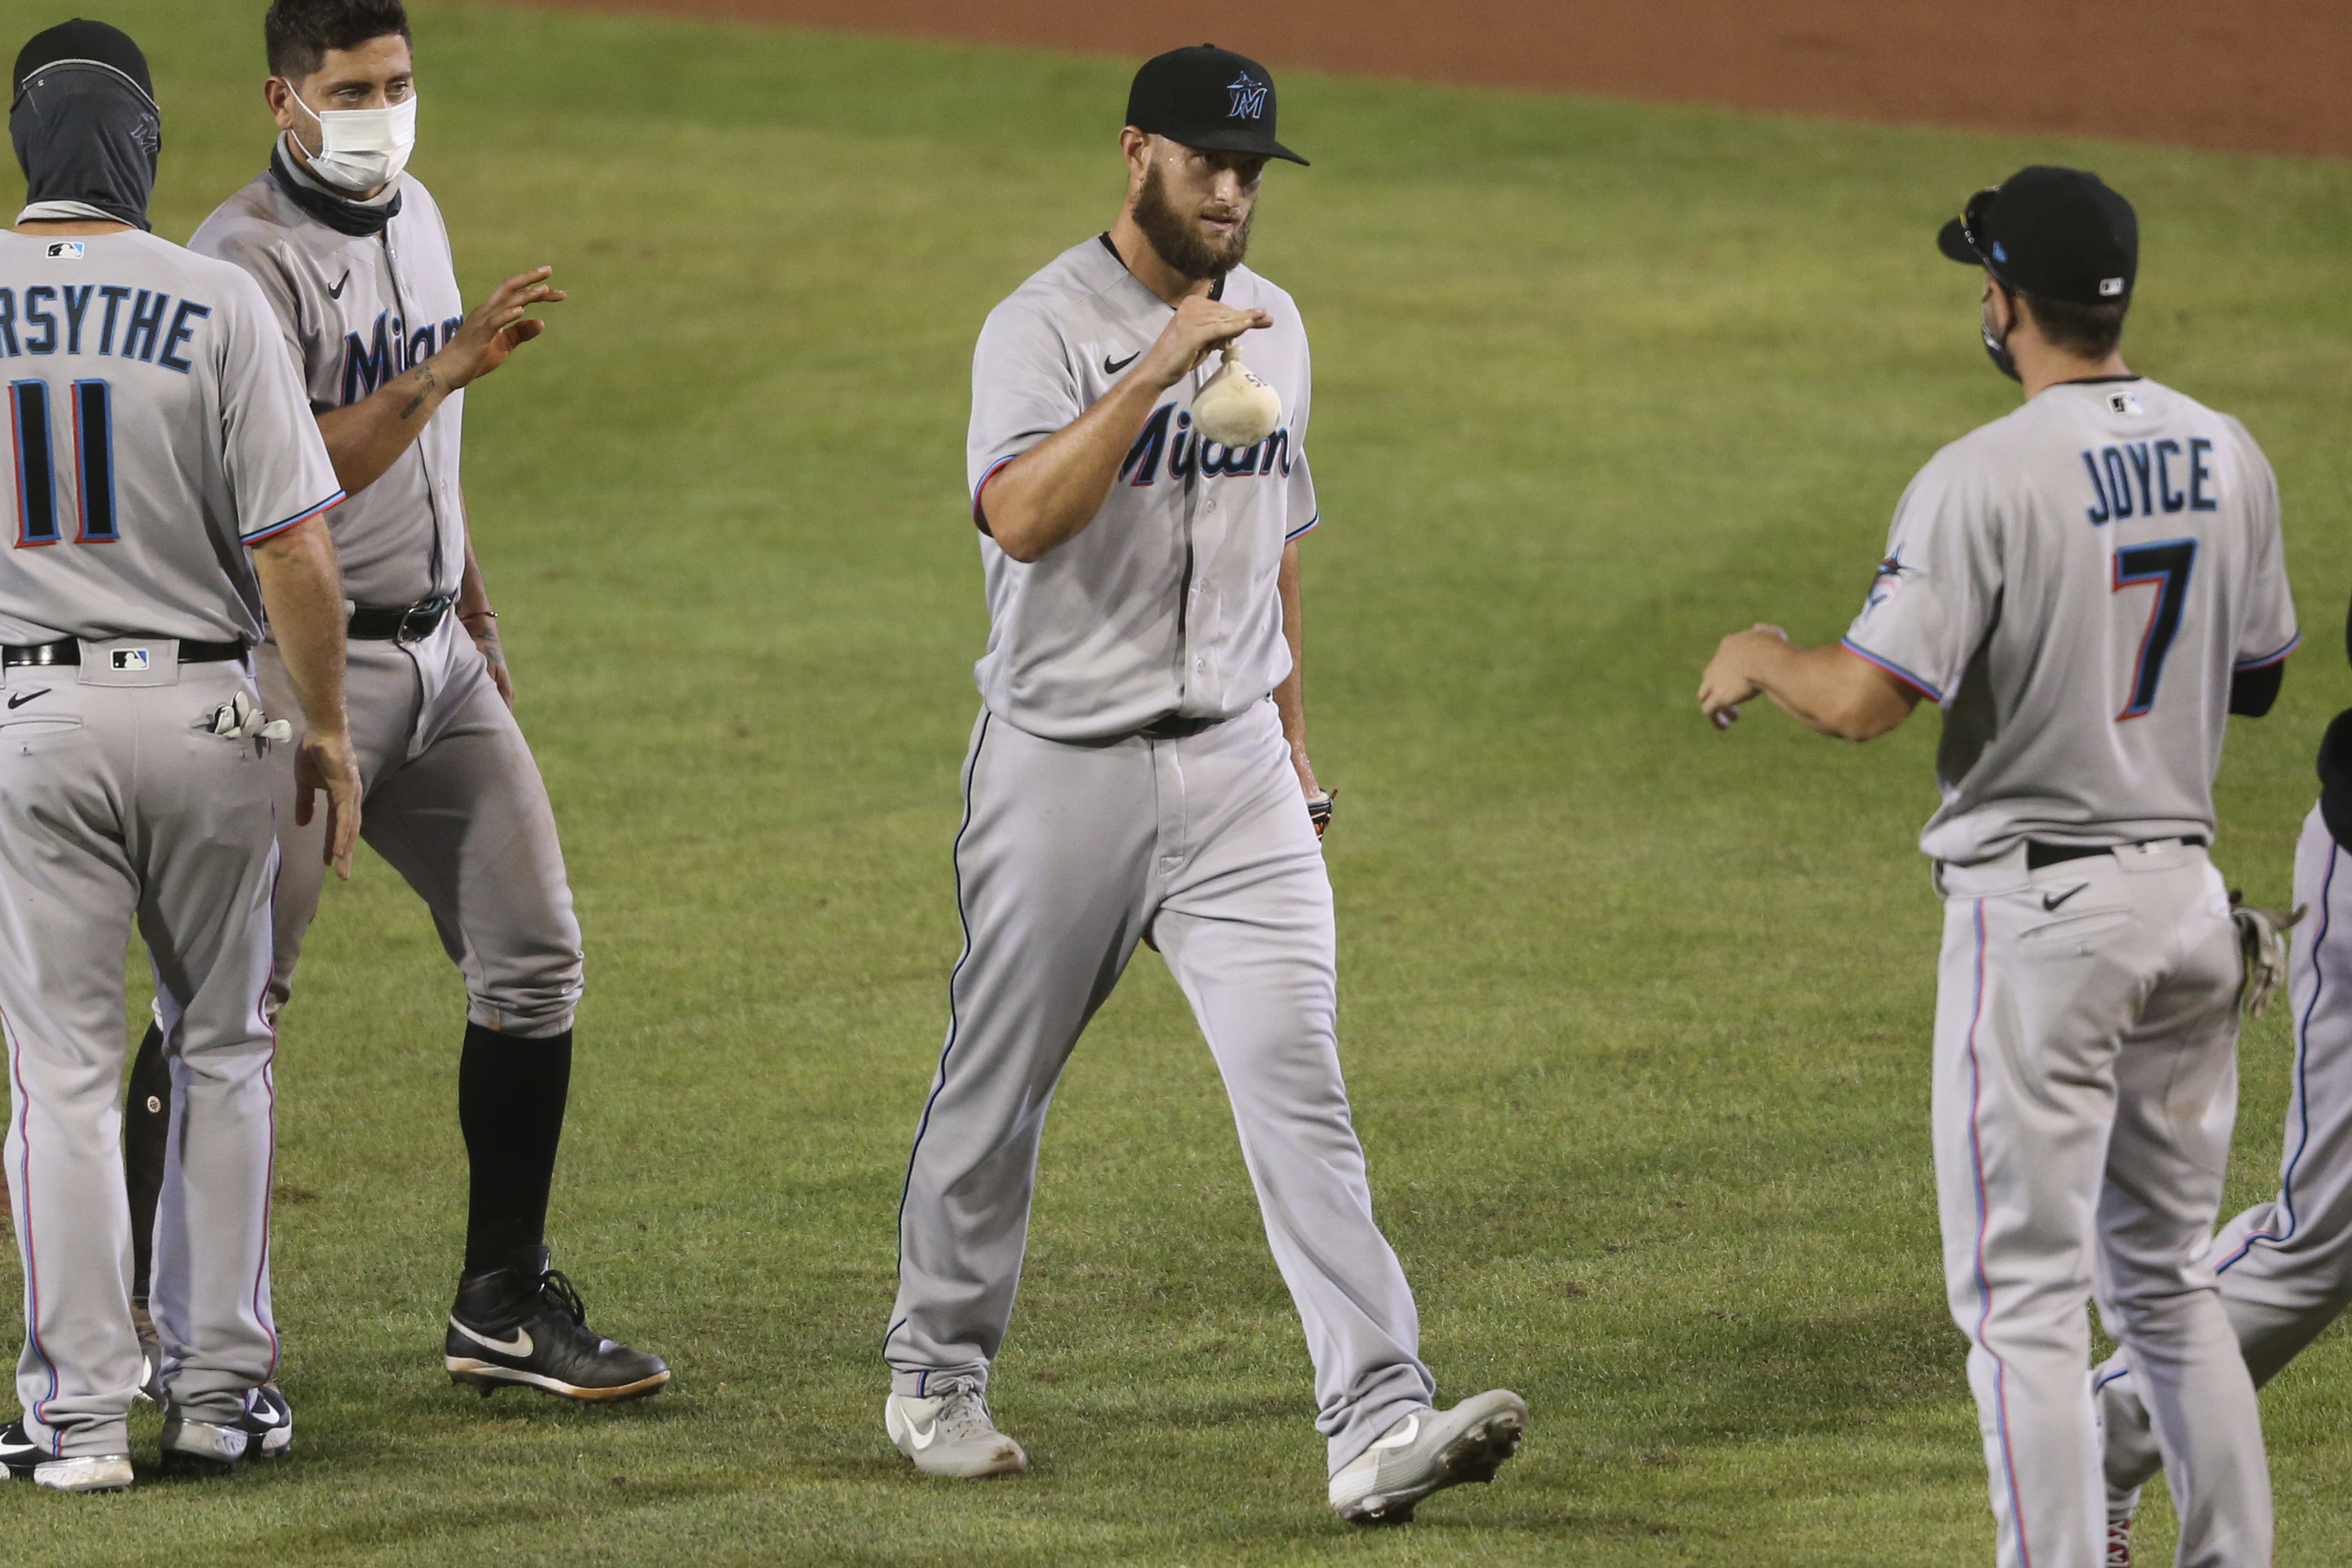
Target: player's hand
x=1726, y=685
x=1200, y=325
x=497, y=326
x=483, y=627
x=327, y=764
x=1319, y=799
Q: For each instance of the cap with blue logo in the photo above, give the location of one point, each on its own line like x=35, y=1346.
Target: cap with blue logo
x=1208, y=98
x=2058, y=233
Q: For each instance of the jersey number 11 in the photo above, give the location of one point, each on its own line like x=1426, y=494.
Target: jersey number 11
x=37, y=475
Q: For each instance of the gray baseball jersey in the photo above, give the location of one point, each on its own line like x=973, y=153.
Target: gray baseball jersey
x=1165, y=606
x=2074, y=585
x=154, y=430
x=358, y=311
x=436, y=745
x=1083, y=837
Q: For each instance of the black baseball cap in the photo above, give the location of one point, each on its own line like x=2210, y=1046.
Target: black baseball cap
x=82, y=40
x=2058, y=233
x=1208, y=98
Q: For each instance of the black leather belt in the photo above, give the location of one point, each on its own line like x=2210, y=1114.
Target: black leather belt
x=1171, y=728
x=408, y=623
x=2038, y=854
x=68, y=651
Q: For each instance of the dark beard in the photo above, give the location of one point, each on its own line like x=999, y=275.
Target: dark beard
x=1179, y=244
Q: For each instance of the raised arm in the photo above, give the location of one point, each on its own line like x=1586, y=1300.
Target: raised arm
x=1047, y=495
x=1827, y=690
x=366, y=438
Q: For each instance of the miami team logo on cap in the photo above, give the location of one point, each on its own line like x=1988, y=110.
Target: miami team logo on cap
x=1249, y=99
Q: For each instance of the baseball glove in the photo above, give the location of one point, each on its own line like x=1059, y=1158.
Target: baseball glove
x=1320, y=806
x=2261, y=940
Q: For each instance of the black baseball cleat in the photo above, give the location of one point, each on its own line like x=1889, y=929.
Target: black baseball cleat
x=23, y=1460
x=512, y=1327
x=194, y=1447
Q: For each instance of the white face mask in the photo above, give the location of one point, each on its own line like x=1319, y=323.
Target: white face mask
x=362, y=149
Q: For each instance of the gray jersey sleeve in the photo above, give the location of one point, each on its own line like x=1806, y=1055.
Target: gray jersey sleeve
x=1023, y=389
x=2267, y=629
x=1936, y=593
x=275, y=457
x=277, y=289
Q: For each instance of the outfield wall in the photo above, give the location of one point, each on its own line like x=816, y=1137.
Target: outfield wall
x=2266, y=75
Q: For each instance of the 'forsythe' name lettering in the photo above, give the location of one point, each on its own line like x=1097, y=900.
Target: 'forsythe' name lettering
x=99, y=319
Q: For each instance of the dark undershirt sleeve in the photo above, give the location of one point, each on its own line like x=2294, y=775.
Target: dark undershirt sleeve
x=2251, y=692
x=2336, y=778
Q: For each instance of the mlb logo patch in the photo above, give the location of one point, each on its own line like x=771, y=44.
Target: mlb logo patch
x=2110, y=287
x=65, y=250
x=132, y=658
x=2122, y=403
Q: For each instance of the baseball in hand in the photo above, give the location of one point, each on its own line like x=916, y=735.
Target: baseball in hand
x=1236, y=409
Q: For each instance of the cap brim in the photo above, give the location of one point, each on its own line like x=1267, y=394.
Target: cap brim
x=1954, y=243
x=1243, y=142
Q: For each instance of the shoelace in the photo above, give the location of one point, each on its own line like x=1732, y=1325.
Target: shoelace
x=556, y=1291
x=2119, y=1544
x=965, y=1415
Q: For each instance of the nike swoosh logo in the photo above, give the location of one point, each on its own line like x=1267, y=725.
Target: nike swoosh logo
x=1401, y=1440
x=337, y=291
x=923, y=1436
x=269, y=1416
x=2051, y=901
x=518, y=1345
x=24, y=697
x=1112, y=367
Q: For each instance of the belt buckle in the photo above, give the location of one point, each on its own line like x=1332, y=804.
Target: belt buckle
x=418, y=621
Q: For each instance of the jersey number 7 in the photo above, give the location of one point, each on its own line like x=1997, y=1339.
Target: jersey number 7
x=37, y=473
x=2168, y=566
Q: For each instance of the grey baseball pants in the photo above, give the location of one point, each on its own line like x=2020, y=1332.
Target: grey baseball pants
x=455, y=804
x=2086, y=1090
x=1069, y=856
x=115, y=808
x=2284, y=1265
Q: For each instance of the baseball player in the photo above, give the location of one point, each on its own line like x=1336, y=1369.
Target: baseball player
x=2284, y=1265
x=2088, y=588
x=353, y=258
x=1138, y=773
x=167, y=488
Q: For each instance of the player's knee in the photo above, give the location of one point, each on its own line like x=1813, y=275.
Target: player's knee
x=530, y=995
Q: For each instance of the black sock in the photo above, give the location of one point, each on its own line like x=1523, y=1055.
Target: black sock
x=144, y=1130
x=510, y=1095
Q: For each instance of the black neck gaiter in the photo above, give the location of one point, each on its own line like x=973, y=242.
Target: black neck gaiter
x=86, y=133
x=358, y=219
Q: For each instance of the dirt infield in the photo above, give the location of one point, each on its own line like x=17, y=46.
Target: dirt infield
x=2268, y=75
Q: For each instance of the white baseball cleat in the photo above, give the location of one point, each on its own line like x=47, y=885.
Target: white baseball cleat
x=1426, y=1452
x=952, y=1434
x=26, y=1459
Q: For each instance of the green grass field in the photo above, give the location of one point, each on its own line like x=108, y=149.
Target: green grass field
x=1636, y=1016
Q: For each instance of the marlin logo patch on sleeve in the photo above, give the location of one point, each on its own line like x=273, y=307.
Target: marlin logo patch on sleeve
x=1887, y=583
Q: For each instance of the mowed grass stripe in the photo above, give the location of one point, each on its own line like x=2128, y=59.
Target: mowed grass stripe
x=1635, y=1015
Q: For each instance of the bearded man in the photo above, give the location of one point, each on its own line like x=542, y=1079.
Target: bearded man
x=1139, y=771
